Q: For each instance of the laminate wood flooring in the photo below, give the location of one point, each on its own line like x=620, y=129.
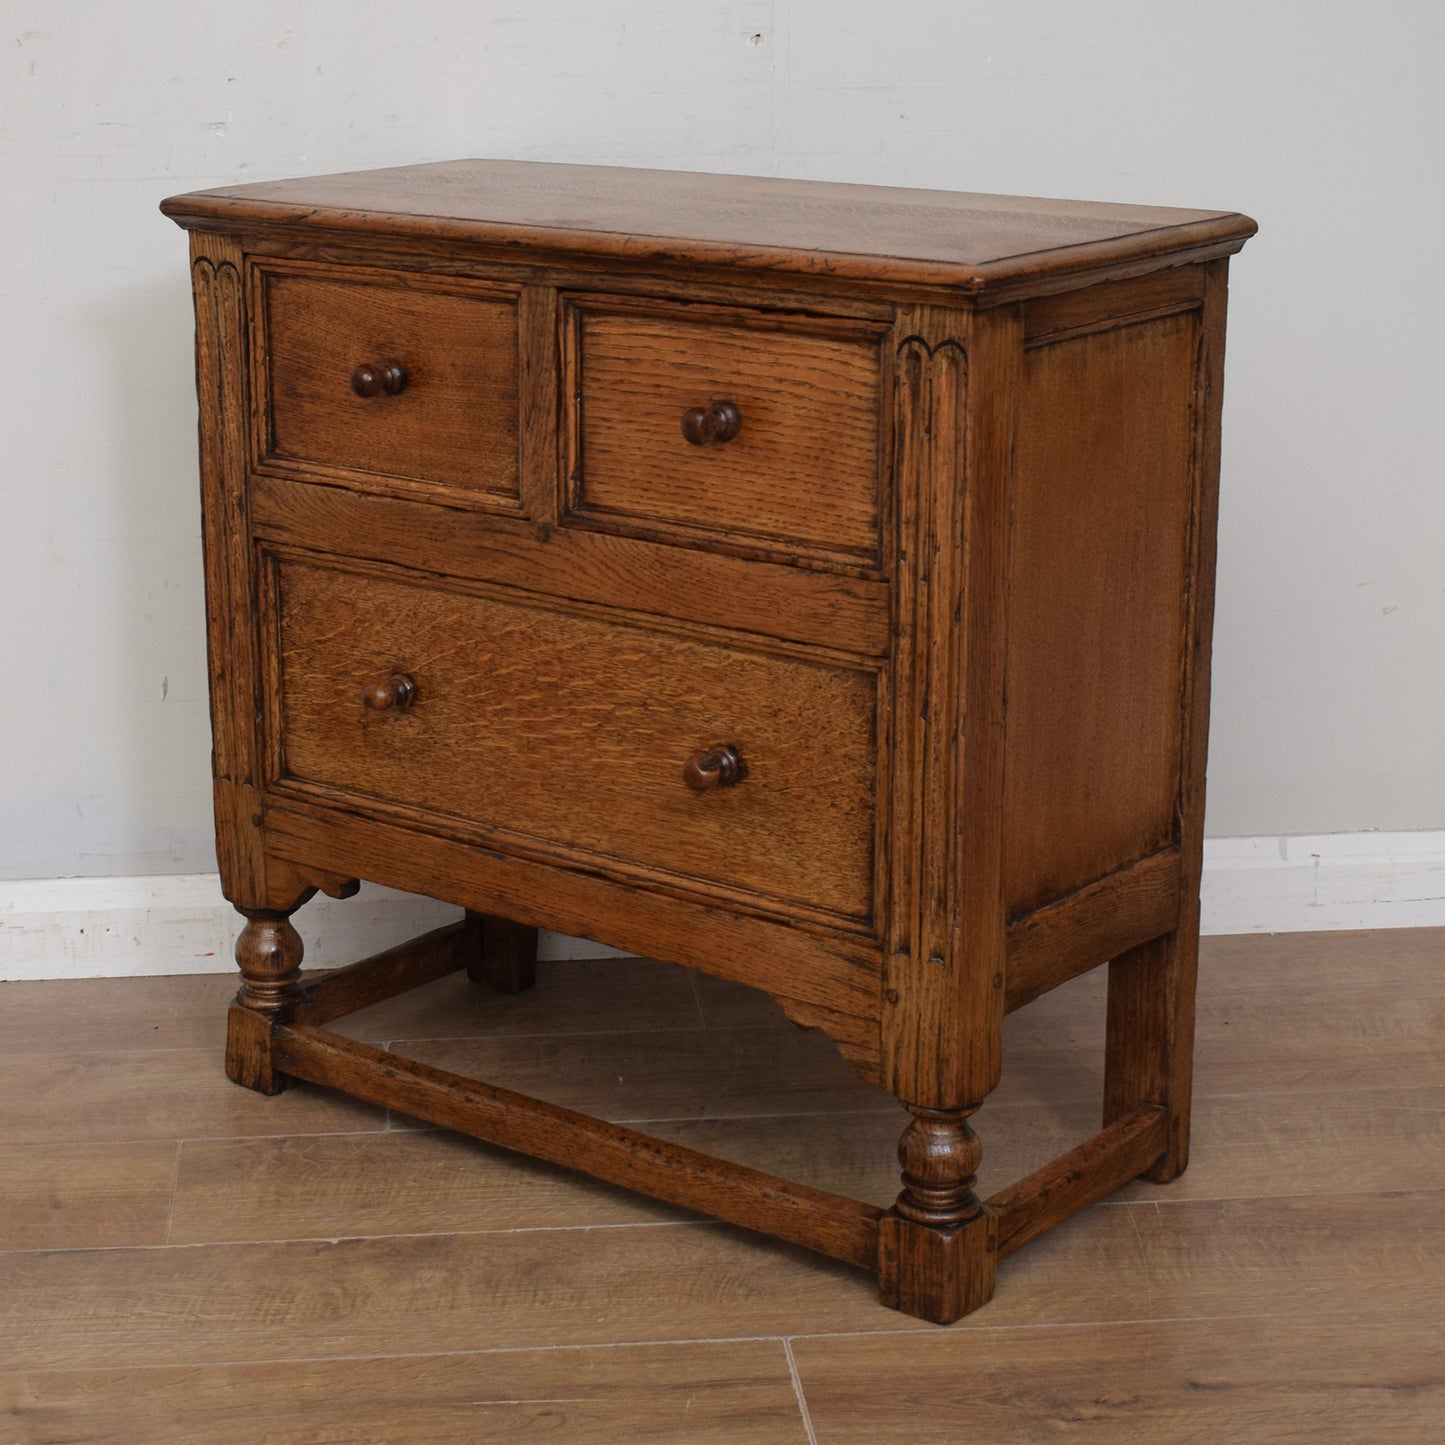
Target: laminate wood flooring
x=183, y=1261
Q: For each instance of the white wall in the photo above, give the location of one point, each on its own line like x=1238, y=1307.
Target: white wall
x=1324, y=121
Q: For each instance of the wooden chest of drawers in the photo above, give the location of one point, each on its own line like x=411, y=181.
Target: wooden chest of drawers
x=808, y=584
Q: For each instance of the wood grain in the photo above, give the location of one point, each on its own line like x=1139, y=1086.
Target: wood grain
x=1258, y=1381
x=186, y=1011
x=457, y=420
x=1252, y=1299
x=821, y=981
x=1096, y=642
x=745, y=223
x=803, y=474
x=1261, y=1145
x=705, y=1394
x=567, y=730
x=416, y=963
x=1086, y=928
x=1094, y=1169
x=835, y=1226
x=845, y=613
x=252, y=1302
x=400, y=1181
x=232, y=649
x=84, y=1196
x=945, y=969
x=1337, y=1252
x=101, y=1097
x=928, y=657
x=1399, y=963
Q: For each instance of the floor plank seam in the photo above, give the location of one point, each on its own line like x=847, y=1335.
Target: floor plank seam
x=175, y=1186
x=697, y=997
x=798, y=1391
x=700, y=1222
x=783, y=1028
x=12, y=1371
x=909, y=1327
x=203, y=1139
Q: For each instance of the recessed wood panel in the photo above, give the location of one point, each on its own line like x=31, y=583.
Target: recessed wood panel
x=455, y=419
x=802, y=472
x=569, y=733
x=1097, y=565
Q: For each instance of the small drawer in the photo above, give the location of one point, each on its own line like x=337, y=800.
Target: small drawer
x=722, y=426
x=387, y=376
x=663, y=758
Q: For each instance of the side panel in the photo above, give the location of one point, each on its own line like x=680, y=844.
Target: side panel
x=1099, y=580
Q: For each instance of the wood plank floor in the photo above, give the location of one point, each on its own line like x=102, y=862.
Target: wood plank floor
x=183, y=1261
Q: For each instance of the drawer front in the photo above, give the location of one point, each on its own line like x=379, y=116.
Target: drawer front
x=568, y=736
x=390, y=378
x=718, y=426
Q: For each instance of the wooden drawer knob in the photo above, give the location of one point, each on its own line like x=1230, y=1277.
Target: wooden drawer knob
x=717, y=768
x=385, y=378
x=398, y=691
x=719, y=421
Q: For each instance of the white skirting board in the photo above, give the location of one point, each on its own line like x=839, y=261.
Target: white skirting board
x=179, y=923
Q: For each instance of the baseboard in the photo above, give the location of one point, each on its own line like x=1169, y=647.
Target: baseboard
x=180, y=923
x=1305, y=883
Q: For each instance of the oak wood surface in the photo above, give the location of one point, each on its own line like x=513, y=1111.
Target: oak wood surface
x=804, y=472
x=1149, y=1045
x=1067, y=1184
x=830, y=982
x=808, y=584
x=747, y=222
x=1097, y=592
x=846, y=614
x=1087, y=928
x=407, y=966
x=231, y=592
x=454, y=420
x=571, y=731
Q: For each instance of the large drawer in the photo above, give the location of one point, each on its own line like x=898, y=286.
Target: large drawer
x=568, y=735
x=392, y=378
x=722, y=426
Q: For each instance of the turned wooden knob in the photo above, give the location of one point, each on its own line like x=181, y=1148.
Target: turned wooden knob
x=719, y=767
x=384, y=378
x=398, y=691
x=719, y=421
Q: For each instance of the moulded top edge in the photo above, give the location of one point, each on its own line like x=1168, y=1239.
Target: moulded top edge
x=752, y=223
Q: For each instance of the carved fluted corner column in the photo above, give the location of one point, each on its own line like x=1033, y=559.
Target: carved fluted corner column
x=937, y=1250
x=269, y=952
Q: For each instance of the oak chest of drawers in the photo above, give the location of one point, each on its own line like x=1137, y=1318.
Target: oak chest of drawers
x=807, y=584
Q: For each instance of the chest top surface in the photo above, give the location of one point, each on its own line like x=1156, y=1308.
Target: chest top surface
x=922, y=237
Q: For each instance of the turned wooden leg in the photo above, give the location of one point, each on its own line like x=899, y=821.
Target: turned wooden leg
x=269, y=952
x=937, y=1248
x=504, y=955
x=1149, y=1039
